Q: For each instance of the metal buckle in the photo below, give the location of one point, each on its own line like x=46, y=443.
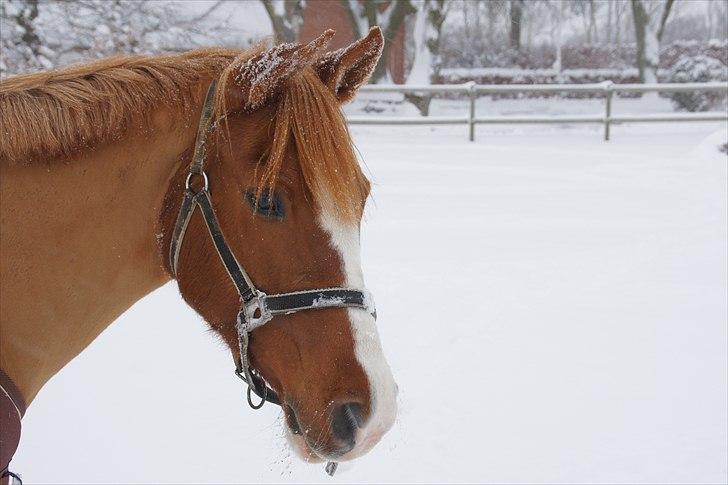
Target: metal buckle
x=188, y=180
x=257, y=312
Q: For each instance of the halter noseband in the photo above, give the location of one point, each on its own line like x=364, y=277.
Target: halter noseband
x=256, y=308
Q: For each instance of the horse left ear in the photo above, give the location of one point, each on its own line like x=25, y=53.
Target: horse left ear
x=345, y=70
x=260, y=79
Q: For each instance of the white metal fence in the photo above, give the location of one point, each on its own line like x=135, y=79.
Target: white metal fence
x=608, y=88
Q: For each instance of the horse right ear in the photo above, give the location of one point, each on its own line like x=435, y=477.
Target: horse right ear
x=345, y=70
x=256, y=81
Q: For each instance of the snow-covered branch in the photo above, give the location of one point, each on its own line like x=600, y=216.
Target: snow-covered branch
x=43, y=34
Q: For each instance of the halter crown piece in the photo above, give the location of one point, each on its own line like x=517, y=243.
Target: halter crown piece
x=256, y=307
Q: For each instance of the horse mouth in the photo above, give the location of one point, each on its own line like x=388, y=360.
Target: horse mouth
x=296, y=438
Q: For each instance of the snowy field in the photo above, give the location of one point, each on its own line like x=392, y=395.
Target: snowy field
x=553, y=308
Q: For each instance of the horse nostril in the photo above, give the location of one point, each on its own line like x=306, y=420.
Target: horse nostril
x=345, y=420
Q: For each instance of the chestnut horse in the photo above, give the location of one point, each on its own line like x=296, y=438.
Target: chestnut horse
x=93, y=162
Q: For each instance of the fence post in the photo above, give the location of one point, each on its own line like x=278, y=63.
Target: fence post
x=471, y=115
x=608, y=91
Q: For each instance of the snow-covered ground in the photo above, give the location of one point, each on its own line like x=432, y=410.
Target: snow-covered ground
x=553, y=307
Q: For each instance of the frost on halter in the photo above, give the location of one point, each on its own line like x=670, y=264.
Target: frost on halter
x=326, y=301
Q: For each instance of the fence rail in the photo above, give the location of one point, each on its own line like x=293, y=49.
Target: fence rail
x=474, y=91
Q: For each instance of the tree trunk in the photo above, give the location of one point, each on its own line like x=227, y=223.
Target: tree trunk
x=390, y=20
x=516, y=14
x=427, y=63
x=286, y=17
x=618, y=11
x=401, y=9
x=640, y=26
x=648, y=32
x=608, y=34
x=663, y=18
x=585, y=22
x=352, y=9
x=492, y=14
x=557, y=13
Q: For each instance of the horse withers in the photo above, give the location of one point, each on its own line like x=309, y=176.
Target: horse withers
x=98, y=162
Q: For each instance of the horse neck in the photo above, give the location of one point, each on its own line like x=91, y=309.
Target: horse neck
x=79, y=246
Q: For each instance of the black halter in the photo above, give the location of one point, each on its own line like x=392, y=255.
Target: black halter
x=256, y=308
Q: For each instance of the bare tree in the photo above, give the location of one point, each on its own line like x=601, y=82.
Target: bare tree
x=610, y=20
x=286, y=17
x=620, y=8
x=593, y=33
x=649, y=25
x=715, y=15
x=515, y=17
x=427, y=63
x=557, y=36
x=494, y=9
x=584, y=10
x=366, y=14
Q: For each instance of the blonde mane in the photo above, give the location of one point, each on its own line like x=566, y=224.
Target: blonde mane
x=54, y=114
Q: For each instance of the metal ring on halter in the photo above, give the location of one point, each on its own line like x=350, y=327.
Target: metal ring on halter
x=262, y=399
x=257, y=312
x=189, y=179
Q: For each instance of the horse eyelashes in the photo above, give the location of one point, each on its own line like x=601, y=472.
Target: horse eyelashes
x=267, y=204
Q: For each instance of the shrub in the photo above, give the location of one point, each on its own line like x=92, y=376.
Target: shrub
x=695, y=69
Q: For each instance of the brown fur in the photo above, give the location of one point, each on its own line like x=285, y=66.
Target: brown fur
x=361, y=57
x=309, y=116
x=81, y=240
x=55, y=114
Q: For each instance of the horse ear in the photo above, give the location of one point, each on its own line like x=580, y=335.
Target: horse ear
x=345, y=70
x=260, y=79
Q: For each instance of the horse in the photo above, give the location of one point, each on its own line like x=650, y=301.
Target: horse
x=103, y=167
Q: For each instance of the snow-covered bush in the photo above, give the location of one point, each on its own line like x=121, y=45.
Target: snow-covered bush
x=544, y=76
x=698, y=69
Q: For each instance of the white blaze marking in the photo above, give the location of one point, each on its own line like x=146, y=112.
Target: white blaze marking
x=367, y=347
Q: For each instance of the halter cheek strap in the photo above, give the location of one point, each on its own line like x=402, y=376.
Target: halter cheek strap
x=256, y=307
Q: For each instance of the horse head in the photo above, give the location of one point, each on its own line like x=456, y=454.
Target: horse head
x=289, y=196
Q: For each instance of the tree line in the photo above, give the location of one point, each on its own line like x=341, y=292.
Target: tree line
x=38, y=34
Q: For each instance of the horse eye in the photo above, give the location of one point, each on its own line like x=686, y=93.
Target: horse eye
x=269, y=204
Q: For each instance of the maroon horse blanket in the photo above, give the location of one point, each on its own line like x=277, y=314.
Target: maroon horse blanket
x=12, y=409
